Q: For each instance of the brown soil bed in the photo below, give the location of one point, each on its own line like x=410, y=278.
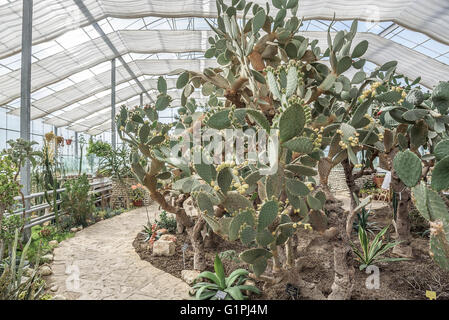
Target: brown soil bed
x=404, y=280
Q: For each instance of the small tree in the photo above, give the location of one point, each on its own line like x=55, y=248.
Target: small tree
x=77, y=202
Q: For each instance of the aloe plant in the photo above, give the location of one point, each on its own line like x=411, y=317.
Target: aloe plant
x=233, y=285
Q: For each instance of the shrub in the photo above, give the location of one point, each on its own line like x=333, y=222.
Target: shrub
x=13, y=284
x=166, y=222
x=77, y=201
x=40, y=238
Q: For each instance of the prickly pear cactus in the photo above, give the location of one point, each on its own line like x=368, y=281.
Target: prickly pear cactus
x=271, y=78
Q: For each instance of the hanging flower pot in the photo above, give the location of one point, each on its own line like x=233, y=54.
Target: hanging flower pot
x=68, y=142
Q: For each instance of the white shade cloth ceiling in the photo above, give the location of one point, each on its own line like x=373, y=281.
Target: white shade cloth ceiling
x=101, y=82
x=62, y=65
x=55, y=17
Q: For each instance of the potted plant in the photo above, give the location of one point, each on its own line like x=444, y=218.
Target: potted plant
x=138, y=195
x=379, y=179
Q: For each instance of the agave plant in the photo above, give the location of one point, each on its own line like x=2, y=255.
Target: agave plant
x=364, y=223
x=232, y=285
x=372, y=252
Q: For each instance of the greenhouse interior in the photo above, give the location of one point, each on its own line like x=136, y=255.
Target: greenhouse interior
x=188, y=150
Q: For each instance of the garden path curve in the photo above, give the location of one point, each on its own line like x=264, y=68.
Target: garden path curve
x=109, y=268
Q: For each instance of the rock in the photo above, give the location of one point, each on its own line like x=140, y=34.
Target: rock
x=53, y=243
x=403, y=251
x=45, y=271
x=27, y=271
x=162, y=231
x=168, y=237
x=164, y=248
x=303, y=244
x=24, y=279
x=47, y=258
x=331, y=233
x=74, y=230
x=59, y=297
x=144, y=246
x=79, y=228
x=54, y=288
x=189, y=207
x=189, y=276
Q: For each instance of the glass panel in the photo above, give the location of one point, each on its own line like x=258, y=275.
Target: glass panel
x=2, y=139
x=3, y=118
x=13, y=122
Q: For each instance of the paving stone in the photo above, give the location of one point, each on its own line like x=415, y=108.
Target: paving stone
x=189, y=276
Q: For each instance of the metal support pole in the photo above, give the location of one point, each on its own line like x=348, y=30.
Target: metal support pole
x=25, y=96
x=113, y=83
x=141, y=99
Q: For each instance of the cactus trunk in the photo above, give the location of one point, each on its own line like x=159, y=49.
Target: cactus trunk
x=402, y=217
x=343, y=282
x=350, y=182
x=199, y=262
x=181, y=215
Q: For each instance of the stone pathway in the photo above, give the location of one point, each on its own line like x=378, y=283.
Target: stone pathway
x=345, y=198
x=108, y=268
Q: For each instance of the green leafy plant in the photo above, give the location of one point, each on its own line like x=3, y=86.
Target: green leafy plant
x=112, y=163
x=40, y=238
x=363, y=222
x=166, y=222
x=77, y=201
x=7, y=231
x=138, y=192
x=9, y=189
x=372, y=252
x=13, y=284
x=232, y=285
x=98, y=148
x=149, y=231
